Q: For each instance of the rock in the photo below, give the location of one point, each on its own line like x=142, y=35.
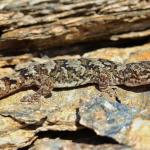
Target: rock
x=125, y=124
x=58, y=144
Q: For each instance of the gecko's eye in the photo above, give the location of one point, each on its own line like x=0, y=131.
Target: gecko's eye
x=24, y=72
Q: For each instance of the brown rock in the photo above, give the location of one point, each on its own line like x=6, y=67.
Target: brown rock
x=58, y=144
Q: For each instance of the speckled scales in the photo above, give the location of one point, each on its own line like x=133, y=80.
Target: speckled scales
x=73, y=73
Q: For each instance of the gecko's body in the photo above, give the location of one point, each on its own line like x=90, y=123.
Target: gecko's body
x=73, y=73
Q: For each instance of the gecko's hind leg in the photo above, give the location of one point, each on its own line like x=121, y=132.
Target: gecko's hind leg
x=45, y=87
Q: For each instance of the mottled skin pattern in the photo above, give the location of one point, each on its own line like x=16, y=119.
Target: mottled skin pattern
x=73, y=73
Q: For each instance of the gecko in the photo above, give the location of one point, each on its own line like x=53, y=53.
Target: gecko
x=73, y=73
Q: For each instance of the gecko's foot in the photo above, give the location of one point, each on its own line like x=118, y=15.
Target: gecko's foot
x=31, y=98
x=110, y=91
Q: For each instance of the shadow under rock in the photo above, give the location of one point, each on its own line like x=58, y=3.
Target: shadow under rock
x=84, y=136
x=137, y=89
x=72, y=49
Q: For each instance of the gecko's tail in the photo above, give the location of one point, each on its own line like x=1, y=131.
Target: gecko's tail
x=137, y=74
x=9, y=85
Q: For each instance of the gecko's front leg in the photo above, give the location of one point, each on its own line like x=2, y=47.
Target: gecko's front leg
x=45, y=86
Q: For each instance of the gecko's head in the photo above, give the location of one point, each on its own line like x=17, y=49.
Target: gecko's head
x=33, y=70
